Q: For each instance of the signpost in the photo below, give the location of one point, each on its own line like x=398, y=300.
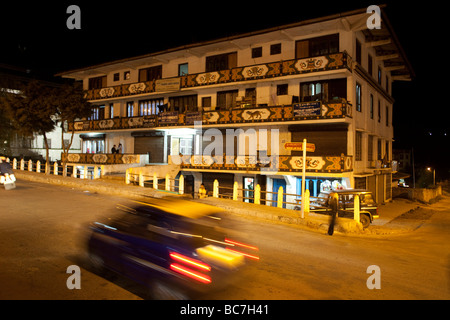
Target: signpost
x=302, y=146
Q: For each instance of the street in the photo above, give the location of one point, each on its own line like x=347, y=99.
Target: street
x=43, y=229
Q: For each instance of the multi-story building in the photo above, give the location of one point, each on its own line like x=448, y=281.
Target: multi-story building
x=328, y=80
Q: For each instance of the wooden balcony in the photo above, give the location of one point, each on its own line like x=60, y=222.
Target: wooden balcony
x=335, y=61
x=281, y=163
x=315, y=110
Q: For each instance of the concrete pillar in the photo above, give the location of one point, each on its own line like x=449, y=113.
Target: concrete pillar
x=141, y=179
x=356, y=208
x=258, y=194
x=280, y=197
x=155, y=181
x=235, y=190
x=167, y=182
x=216, y=189
x=181, y=184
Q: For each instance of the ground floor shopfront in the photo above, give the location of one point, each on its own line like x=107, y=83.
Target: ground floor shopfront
x=379, y=184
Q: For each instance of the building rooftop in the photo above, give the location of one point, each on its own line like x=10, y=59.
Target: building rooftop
x=387, y=45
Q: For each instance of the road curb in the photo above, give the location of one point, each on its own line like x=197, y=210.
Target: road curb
x=266, y=213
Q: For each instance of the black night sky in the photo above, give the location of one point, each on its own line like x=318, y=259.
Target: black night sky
x=35, y=36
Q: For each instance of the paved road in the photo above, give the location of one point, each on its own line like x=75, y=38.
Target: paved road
x=42, y=232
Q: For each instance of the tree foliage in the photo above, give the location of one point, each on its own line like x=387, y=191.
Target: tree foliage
x=32, y=111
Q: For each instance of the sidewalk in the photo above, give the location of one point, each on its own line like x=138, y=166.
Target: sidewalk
x=388, y=212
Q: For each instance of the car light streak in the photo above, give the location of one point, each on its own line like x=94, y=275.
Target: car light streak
x=190, y=273
x=251, y=256
x=240, y=244
x=192, y=262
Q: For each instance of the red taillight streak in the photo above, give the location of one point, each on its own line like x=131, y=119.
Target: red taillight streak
x=240, y=244
x=190, y=273
x=244, y=254
x=189, y=261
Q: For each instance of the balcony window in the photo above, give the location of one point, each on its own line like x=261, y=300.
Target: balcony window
x=149, y=107
x=221, y=62
x=358, y=146
x=98, y=113
x=317, y=46
x=130, y=109
x=257, y=52
x=183, y=103
x=358, y=97
x=227, y=99
x=183, y=69
x=97, y=82
x=150, y=74
x=323, y=90
x=275, y=49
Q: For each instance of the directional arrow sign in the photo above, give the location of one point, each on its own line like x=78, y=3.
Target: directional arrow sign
x=298, y=146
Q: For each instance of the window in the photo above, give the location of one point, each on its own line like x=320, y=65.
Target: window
x=111, y=110
x=370, y=65
x=186, y=146
x=181, y=145
x=379, y=111
x=379, y=75
x=221, y=62
x=358, y=97
x=317, y=46
x=227, y=99
x=275, y=49
x=149, y=107
x=97, y=82
x=257, y=52
x=370, y=149
x=371, y=106
x=126, y=75
x=358, y=147
x=358, y=51
x=183, y=69
x=98, y=113
x=387, y=116
x=379, y=149
x=150, y=74
x=323, y=90
x=206, y=103
x=282, y=89
x=116, y=76
x=386, y=152
x=130, y=109
x=183, y=103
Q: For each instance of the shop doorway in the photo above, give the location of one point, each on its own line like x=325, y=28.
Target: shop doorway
x=249, y=189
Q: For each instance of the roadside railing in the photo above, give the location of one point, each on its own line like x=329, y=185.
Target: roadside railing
x=57, y=168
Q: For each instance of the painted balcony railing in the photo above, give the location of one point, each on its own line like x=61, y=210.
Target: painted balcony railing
x=104, y=158
x=281, y=163
x=302, y=111
x=334, y=61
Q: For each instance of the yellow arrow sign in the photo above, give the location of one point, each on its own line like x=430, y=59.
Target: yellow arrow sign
x=298, y=146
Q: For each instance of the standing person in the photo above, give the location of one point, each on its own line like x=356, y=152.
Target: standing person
x=119, y=148
x=113, y=149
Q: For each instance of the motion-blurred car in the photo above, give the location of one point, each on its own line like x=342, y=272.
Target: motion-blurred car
x=176, y=248
x=346, y=206
x=7, y=177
